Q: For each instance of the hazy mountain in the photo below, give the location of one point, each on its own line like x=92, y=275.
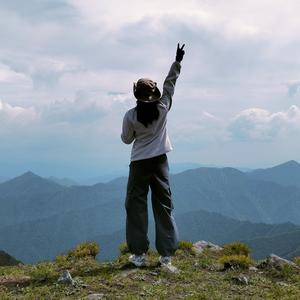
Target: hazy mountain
x=3, y=179
x=285, y=245
x=35, y=210
x=63, y=181
x=26, y=197
x=202, y=225
x=285, y=174
x=232, y=193
x=28, y=184
x=69, y=230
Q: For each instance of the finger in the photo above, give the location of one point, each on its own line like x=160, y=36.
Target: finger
x=182, y=47
x=178, y=46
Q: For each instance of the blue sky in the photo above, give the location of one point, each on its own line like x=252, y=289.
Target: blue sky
x=67, y=67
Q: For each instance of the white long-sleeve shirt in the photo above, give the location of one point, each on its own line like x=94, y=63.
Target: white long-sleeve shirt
x=152, y=140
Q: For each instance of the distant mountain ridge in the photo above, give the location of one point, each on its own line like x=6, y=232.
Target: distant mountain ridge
x=36, y=209
x=232, y=193
x=214, y=227
x=63, y=181
x=287, y=174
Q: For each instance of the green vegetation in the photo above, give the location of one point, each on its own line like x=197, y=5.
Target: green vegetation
x=236, y=261
x=297, y=260
x=84, y=250
x=185, y=245
x=7, y=260
x=124, y=248
x=236, y=248
x=201, y=276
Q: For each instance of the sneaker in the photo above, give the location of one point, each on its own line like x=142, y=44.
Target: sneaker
x=137, y=260
x=165, y=260
x=166, y=264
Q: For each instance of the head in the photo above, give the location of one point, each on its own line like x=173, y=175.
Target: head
x=147, y=94
x=146, y=90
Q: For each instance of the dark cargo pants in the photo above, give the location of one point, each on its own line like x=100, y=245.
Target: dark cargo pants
x=153, y=173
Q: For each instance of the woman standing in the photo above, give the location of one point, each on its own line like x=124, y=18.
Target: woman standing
x=145, y=124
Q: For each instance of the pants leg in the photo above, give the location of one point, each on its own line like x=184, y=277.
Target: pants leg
x=165, y=227
x=136, y=207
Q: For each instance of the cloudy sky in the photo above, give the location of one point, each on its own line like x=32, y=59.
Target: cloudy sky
x=67, y=67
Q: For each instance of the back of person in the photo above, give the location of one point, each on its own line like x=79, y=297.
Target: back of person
x=152, y=140
x=146, y=126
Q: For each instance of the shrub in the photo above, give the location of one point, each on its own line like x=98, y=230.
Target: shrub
x=123, y=248
x=185, y=245
x=236, y=248
x=285, y=272
x=62, y=261
x=44, y=271
x=84, y=250
x=297, y=260
x=236, y=261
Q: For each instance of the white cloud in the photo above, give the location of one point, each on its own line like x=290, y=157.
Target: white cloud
x=9, y=76
x=260, y=124
x=16, y=115
x=68, y=67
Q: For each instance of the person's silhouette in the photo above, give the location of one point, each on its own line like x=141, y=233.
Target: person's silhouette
x=145, y=124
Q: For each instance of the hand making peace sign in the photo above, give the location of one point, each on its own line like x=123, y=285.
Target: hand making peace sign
x=179, y=53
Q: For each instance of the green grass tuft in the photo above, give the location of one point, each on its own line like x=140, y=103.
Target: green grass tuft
x=185, y=245
x=297, y=260
x=236, y=248
x=88, y=249
x=236, y=261
x=123, y=248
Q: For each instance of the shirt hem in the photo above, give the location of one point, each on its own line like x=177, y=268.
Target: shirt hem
x=151, y=156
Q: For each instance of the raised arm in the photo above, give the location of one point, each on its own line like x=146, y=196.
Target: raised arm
x=170, y=81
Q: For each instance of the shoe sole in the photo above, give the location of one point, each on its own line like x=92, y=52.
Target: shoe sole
x=138, y=264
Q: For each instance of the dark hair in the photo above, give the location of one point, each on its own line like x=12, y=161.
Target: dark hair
x=146, y=112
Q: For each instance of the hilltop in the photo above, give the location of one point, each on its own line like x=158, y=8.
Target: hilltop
x=201, y=275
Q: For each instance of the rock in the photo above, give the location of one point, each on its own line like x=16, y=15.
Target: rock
x=94, y=296
x=276, y=261
x=241, y=279
x=169, y=268
x=253, y=269
x=14, y=280
x=126, y=273
x=284, y=284
x=153, y=273
x=66, y=278
x=201, y=245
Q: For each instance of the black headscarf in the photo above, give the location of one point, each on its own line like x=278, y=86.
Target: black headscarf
x=147, y=112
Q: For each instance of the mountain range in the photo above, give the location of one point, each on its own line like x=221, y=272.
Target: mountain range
x=40, y=218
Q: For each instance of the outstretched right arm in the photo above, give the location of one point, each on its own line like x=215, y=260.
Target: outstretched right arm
x=169, y=84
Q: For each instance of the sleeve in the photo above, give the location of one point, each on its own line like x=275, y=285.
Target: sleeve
x=169, y=84
x=127, y=134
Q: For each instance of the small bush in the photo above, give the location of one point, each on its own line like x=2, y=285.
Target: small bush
x=297, y=260
x=286, y=272
x=44, y=271
x=185, y=245
x=84, y=250
x=123, y=248
x=236, y=261
x=62, y=261
x=236, y=248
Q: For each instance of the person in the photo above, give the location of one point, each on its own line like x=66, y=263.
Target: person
x=145, y=124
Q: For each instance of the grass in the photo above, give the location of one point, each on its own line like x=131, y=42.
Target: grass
x=200, y=277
